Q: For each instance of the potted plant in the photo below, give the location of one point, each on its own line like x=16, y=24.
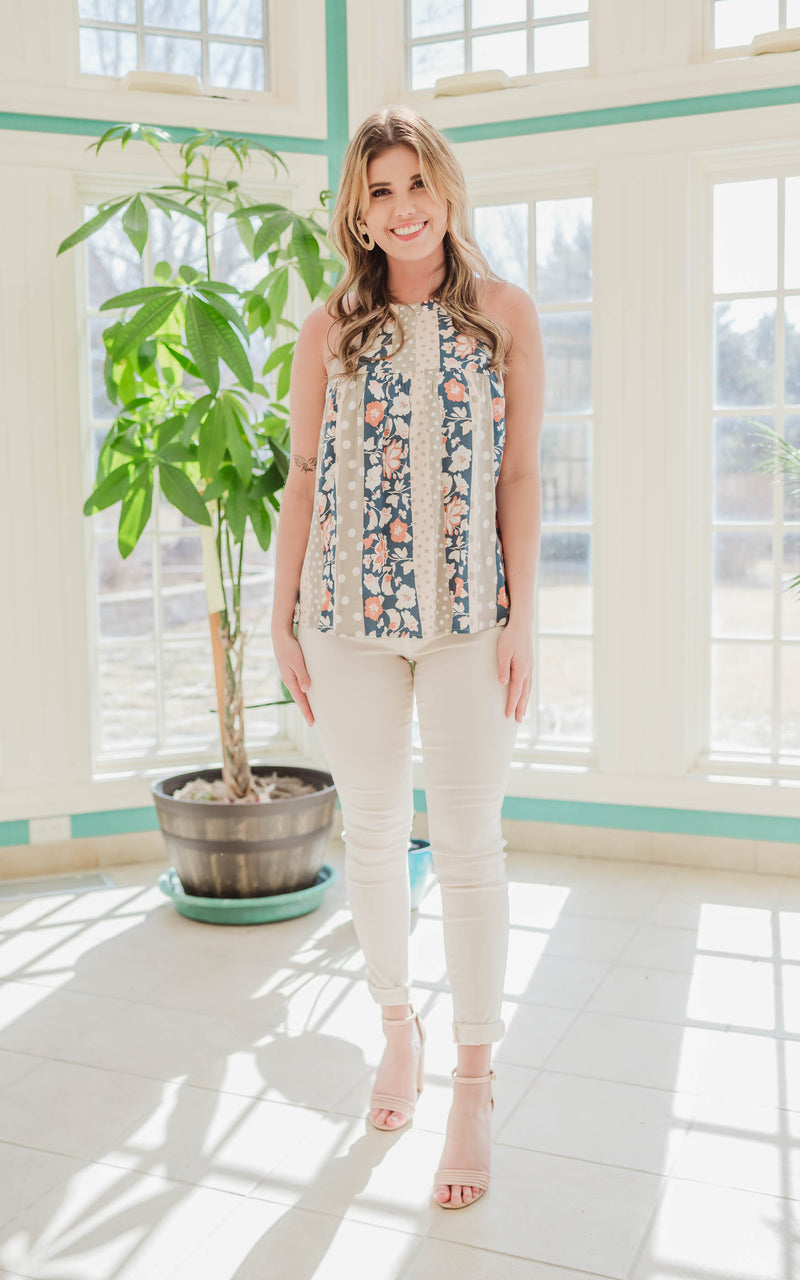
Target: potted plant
x=196, y=419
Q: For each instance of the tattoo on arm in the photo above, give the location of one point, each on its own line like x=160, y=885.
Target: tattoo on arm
x=305, y=464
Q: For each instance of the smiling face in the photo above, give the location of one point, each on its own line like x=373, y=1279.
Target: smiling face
x=403, y=217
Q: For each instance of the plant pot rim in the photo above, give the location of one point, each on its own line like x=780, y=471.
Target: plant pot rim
x=173, y=781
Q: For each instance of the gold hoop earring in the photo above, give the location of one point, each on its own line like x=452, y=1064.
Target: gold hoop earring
x=365, y=232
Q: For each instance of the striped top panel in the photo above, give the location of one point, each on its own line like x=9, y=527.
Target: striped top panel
x=404, y=538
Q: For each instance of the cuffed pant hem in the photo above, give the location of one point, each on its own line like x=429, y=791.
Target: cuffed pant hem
x=389, y=995
x=478, y=1032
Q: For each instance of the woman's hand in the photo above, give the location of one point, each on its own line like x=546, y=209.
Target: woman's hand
x=515, y=665
x=292, y=666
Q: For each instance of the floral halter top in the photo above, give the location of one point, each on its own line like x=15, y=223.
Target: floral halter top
x=405, y=539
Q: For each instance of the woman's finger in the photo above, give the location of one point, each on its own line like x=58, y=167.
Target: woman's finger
x=293, y=684
x=515, y=687
x=522, y=707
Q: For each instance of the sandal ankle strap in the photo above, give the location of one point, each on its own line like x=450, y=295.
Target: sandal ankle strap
x=492, y=1076
x=408, y=1018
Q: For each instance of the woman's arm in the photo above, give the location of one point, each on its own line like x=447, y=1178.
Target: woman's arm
x=306, y=409
x=518, y=493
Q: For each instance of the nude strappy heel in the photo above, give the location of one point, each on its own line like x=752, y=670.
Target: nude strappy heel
x=386, y=1101
x=464, y=1177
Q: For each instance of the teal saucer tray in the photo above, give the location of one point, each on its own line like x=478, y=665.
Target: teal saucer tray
x=278, y=906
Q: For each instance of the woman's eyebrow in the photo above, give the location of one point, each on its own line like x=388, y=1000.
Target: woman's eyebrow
x=388, y=184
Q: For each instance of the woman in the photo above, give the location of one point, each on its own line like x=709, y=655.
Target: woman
x=416, y=580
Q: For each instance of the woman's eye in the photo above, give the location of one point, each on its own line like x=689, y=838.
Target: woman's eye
x=381, y=191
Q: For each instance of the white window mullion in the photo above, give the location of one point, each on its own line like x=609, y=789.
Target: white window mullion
x=777, y=513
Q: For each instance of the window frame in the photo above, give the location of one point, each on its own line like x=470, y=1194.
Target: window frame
x=140, y=29
x=707, y=171
x=467, y=32
x=715, y=52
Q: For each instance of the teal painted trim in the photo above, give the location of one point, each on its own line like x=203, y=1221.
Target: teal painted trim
x=626, y=817
x=16, y=832
x=93, y=128
x=640, y=817
x=337, y=99
x=114, y=822
x=595, y=119
x=335, y=145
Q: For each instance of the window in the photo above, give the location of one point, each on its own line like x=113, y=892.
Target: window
x=154, y=675
x=520, y=37
x=222, y=42
x=546, y=248
x=737, y=21
x=755, y=522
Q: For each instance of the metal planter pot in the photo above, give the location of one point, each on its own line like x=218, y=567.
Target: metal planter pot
x=246, y=850
x=420, y=866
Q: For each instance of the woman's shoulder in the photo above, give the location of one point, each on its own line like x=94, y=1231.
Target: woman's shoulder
x=323, y=330
x=501, y=299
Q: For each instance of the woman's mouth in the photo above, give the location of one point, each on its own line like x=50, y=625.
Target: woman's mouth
x=410, y=231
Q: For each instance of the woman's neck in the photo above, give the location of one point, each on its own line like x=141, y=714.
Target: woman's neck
x=419, y=287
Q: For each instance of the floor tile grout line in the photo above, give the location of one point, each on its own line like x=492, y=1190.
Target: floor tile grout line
x=517, y=1257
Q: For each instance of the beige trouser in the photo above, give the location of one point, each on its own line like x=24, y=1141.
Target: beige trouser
x=361, y=694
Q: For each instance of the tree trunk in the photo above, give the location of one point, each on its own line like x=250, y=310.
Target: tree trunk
x=235, y=769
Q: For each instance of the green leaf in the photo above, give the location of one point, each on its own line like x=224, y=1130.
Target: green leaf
x=315, y=228
x=279, y=291
x=182, y=359
x=138, y=295
x=278, y=355
x=137, y=505
x=216, y=286
x=179, y=490
x=147, y=321
x=169, y=206
x=215, y=488
x=258, y=313
x=238, y=448
x=94, y=224
x=284, y=380
x=194, y=418
x=188, y=274
x=165, y=431
x=225, y=309
x=147, y=133
x=306, y=249
x=212, y=442
x=130, y=405
x=260, y=520
x=202, y=342
x=271, y=426
x=244, y=227
x=271, y=230
x=127, y=382
x=281, y=460
x=109, y=491
x=176, y=452
x=112, y=390
x=129, y=446
x=253, y=210
x=135, y=224
x=216, y=334
x=236, y=509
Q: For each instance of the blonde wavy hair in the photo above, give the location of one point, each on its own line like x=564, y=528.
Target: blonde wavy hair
x=365, y=274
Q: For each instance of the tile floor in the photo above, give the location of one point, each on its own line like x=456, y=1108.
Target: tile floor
x=181, y=1101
